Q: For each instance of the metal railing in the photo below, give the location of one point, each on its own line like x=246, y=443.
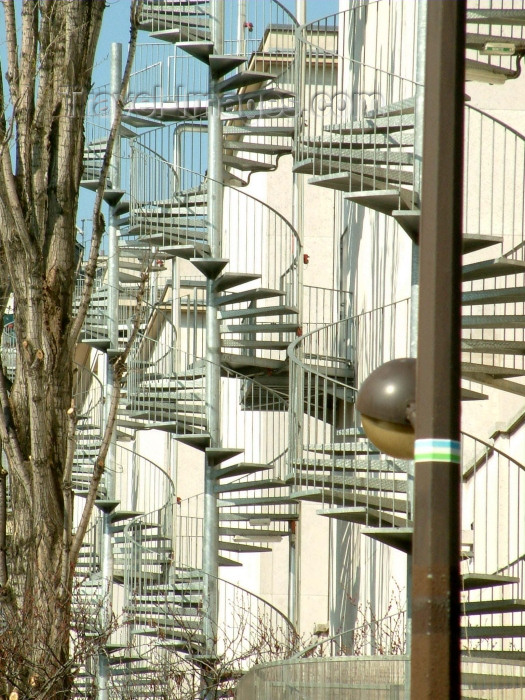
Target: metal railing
x=378, y=677
x=250, y=26
x=356, y=99
x=479, y=29
x=493, y=543
x=165, y=612
x=256, y=238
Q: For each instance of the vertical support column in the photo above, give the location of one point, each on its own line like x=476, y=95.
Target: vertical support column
x=296, y=377
x=435, y=598
x=113, y=257
x=215, y=186
x=106, y=602
x=241, y=28
x=113, y=298
x=414, y=283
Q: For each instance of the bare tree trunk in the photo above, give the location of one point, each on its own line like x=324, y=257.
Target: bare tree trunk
x=50, y=57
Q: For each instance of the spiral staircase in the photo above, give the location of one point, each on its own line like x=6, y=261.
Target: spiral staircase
x=292, y=433
x=162, y=215
x=371, y=159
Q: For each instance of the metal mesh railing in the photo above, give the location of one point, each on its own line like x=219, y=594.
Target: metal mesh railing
x=356, y=98
x=250, y=26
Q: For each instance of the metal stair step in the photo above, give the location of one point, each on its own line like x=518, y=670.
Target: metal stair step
x=177, y=217
x=243, y=79
x=409, y=220
x=343, y=153
x=356, y=462
x=473, y=581
x=393, y=123
x=396, y=537
x=256, y=485
x=242, y=547
x=360, y=447
x=358, y=139
x=496, y=321
x=479, y=70
x=340, y=181
x=245, y=164
x=280, y=131
x=498, y=16
x=256, y=344
x=497, y=347
x=217, y=455
x=159, y=606
x=355, y=174
x=497, y=654
x=145, y=537
x=240, y=469
x=188, y=637
x=251, y=533
x=405, y=106
x=227, y=280
x=249, y=362
x=364, y=516
x=471, y=370
x=268, y=148
x=339, y=496
x=510, y=295
x=493, y=632
x=257, y=519
x=260, y=328
x=256, y=501
x=164, y=111
x=198, y=440
x=367, y=483
x=488, y=269
x=254, y=312
x=492, y=607
x=248, y=295
x=158, y=403
x=278, y=112
x=478, y=41
x=164, y=621
x=203, y=51
x=194, y=250
x=256, y=96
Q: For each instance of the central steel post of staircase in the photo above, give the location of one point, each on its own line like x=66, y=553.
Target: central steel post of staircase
x=113, y=299
x=210, y=557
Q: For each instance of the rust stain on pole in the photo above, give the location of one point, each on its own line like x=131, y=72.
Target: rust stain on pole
x=435, y=665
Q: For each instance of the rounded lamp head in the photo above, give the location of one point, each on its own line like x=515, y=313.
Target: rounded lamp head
x=384, y=401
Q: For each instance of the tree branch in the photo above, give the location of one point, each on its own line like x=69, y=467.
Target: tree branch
x=91, y=267
x=67, y=489
x=12, y=49
x=10, y=440
x=119, y=368
x=3, y=526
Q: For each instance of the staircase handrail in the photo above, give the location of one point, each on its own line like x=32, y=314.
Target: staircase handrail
x=257, y=23
x=137, y=142
x=491, y=448
x=78, y=392
x=321, y=641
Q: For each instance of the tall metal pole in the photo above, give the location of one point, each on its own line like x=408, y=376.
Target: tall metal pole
x=113, y=254
x=113, y=300
x=294, y=581
x=213, y=377
x=106, y=596
x=414, y=284
x=435, y=653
